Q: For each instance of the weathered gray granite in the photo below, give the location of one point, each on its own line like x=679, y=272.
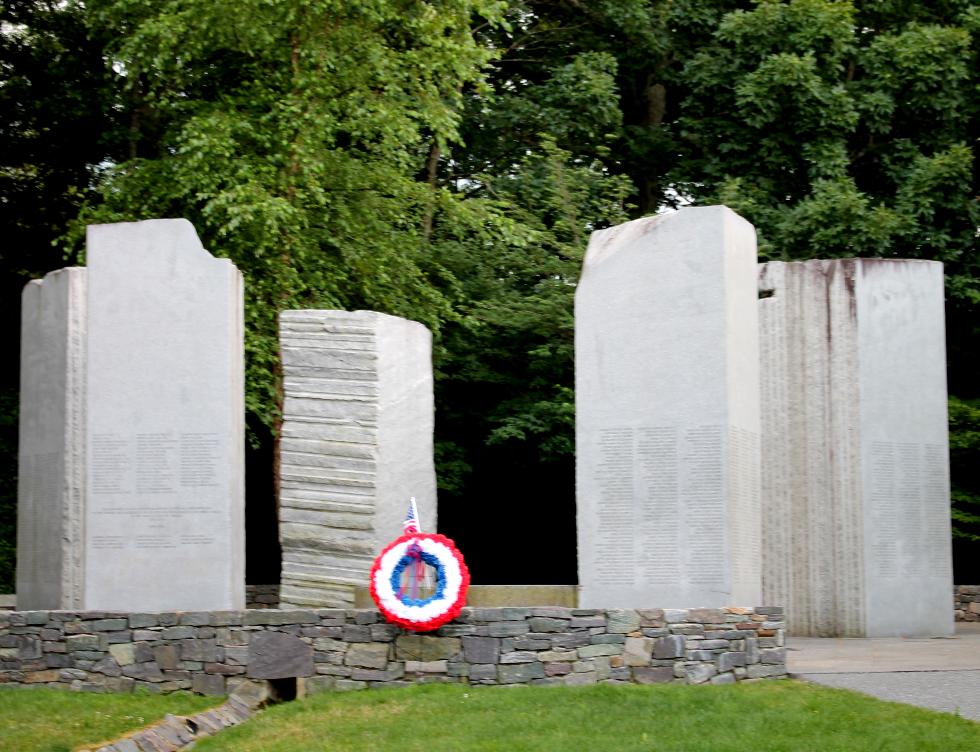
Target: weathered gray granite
x=856, y=538
x=667, y=413
x=51, y=472
x=165, y=411
x=357, y=443
x=132, y=430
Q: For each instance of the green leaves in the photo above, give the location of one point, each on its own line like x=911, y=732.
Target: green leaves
x=964, y=445
x=294, y=136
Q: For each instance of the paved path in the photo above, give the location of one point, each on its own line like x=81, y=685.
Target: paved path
x=939, y=673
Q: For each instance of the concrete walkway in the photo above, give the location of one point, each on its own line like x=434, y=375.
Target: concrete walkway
x=940, y=673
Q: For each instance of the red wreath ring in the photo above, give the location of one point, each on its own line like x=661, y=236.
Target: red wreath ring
x=400, y=613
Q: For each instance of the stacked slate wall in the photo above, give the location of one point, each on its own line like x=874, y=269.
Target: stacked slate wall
x=966, y=603
x=215, y=652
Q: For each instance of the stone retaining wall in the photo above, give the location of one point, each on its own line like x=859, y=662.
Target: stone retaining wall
x=261, y=596
x=216, y=652
x=966, y=602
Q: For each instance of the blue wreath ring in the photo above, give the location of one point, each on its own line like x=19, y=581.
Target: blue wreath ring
x=452, y=581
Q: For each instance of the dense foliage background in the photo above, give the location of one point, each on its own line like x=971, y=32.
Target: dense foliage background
x=446, y=161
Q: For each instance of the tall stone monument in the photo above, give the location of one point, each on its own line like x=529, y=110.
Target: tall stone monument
x=856, y=533
x=667, y=413
x=51, y=473
x=133, y=395
x=356, y=444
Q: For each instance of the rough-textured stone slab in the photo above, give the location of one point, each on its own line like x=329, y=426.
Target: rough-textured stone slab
x=481, y=649
x=653, y=674
x=667, y=413
x=274, y=655
x=51, y=459
x=855, y=476
x=356, y=444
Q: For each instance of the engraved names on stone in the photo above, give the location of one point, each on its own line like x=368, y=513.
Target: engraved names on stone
x=646, y=478
x=856, y=478
x=667, y=413
x=133, y=382
x=165, y=415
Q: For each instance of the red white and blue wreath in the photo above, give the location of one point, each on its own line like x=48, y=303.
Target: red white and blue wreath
x=399, y=575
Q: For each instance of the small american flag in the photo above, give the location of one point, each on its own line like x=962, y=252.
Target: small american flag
x=411, y=523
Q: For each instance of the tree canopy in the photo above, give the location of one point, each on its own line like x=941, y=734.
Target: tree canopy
x=447, y=160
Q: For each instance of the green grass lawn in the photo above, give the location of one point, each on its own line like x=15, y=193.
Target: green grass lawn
x=52, y=720
x=769, y=716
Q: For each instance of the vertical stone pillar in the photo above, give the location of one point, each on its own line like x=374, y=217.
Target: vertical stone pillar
x=856, y=534
x=131, y=493
x=357, y=443
x=51, y=474
x=667, y=413
x=164, y=523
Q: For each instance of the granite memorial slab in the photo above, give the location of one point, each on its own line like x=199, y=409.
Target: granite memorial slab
x=856, y=533
x=50, y=485
x=145, y=431
x=357, y=443
x=667, y=413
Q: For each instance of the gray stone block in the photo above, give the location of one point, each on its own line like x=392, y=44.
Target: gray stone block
x=358, y=427
x=519, y=673
x=349, y=685
x=356, y=633
x=591, y=651
x=548, y=624
x=526, y=642
x=166, y=656
x=856, y=471
x=425, y=648
x=315, y=684
x=774, y=655
x=131, y=367
x=667, y=306
x=208, y=684
x=483, y=673
x=622, y=621
x=86, y=642
x=107, y=625
x=377, y=675
x=608, y=639
x=481, y=649
x=669, y=646
x=124, y=655
x=581, y=678
x=208, y=650
x=367, y=654
x=699, y=673
x=728, y=661
x=519, y=656
x=638, y=651
x=177, y=633
x=195, y=618
x=51, y=468
x=574, y=640
x=273, y=655
x=273, y=617
x=426, y=667
x=147, y=672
